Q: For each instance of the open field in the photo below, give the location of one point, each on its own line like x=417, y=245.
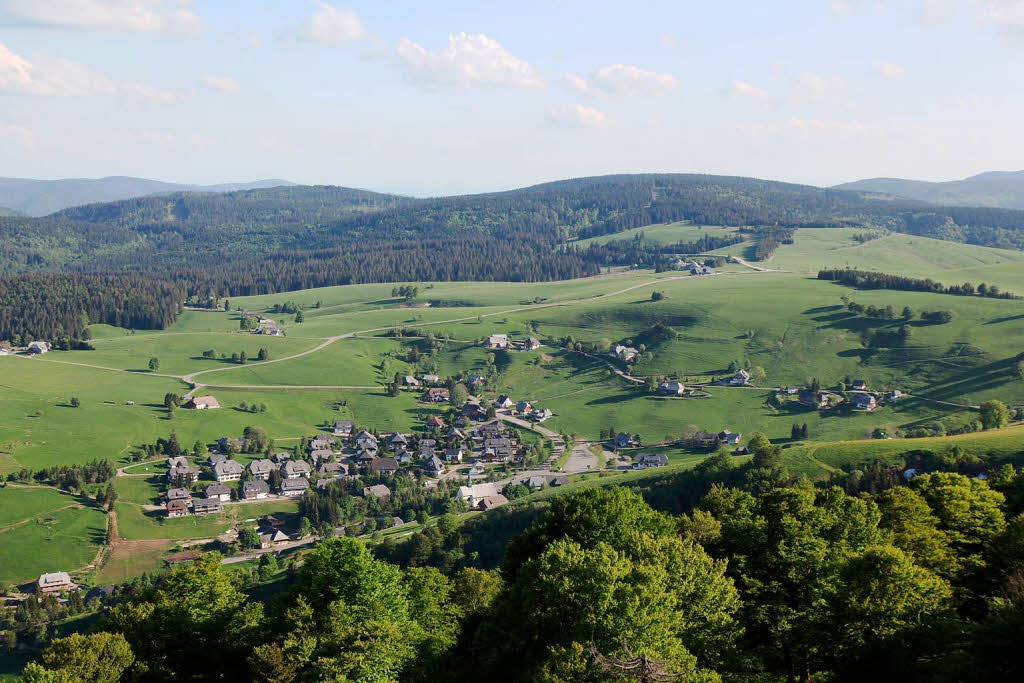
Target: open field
x=821, y=459
x=791, y=324
x=663, y=233
x=816, y=248
x=182, y=353
x=346, y=362
x=134, y=523
x=129, y=559
x=44, y=531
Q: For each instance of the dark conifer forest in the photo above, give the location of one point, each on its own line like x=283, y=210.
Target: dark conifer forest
x=134, y=262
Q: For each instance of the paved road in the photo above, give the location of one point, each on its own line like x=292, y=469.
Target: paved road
x=581, y=459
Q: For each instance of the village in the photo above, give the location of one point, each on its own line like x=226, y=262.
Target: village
x=473, y=454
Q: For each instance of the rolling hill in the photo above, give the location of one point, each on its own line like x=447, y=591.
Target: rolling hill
x=1001, y=189
x=43, y=197
x=136, y=260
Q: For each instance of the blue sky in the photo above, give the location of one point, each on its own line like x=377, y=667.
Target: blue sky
x=444, y=97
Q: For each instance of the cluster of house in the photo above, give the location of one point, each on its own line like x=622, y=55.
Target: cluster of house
x=523, y=409
x=693, y=267
x=264, y=325
x=858, y=399
x=703, y=439
x=501, y=341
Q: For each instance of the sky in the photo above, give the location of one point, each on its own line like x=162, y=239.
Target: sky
x=451, y=96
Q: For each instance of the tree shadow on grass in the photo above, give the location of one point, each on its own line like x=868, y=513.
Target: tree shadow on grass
x=1005, y=319
x=606, y=400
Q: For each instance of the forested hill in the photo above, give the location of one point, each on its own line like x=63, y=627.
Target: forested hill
x=41, y=197
x=288, y=238
x=199, y=229
x=999, y=189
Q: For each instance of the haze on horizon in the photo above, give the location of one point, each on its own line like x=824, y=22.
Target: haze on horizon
x=453, y=97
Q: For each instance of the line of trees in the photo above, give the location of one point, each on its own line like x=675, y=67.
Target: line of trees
x=863, y=279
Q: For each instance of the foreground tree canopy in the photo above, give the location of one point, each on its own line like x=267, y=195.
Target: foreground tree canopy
x=757, y=581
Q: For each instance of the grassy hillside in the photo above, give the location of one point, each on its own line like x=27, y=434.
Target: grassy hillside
x=790, y=323
x=948, y=262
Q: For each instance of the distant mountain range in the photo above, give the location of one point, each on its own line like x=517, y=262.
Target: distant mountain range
x=43, y=197
x=1001, y=189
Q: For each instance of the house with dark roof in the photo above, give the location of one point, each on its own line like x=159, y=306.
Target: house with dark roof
x=261, y=469
x=293, y=488
x=379, y=491
x=206, y=506
x=644, y=460
x=176, y=508
x=705, y=439
x=219, y=492
x=433, y=466
x=343, y=428
x=229, y=470
x=384, y=466
x=188, y=475
x=273, y=538
x=503, y=402
x=295, y=469
x=255, y=489
x=625, y=440
x=436, y=395
x=335, y=470
x=863, y=402
x=860, y=384
x=179, y=494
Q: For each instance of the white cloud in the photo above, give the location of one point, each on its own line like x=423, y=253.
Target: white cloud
x=577, y=82
x=577, y=116
x=841, y=7
x=623, y=79
x=812, y=125
x=332, y=25
x=1008, y=13
x=220, y=83
x=746, y=90
x=816, y=87
x=147, y=16
x=63, y=77
x=468, y=60
x=889, y=70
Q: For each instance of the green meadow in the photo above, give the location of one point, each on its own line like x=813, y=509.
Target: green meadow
x=182, y=353
x=44, y=531
x=948, y=262
x=789, y=323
